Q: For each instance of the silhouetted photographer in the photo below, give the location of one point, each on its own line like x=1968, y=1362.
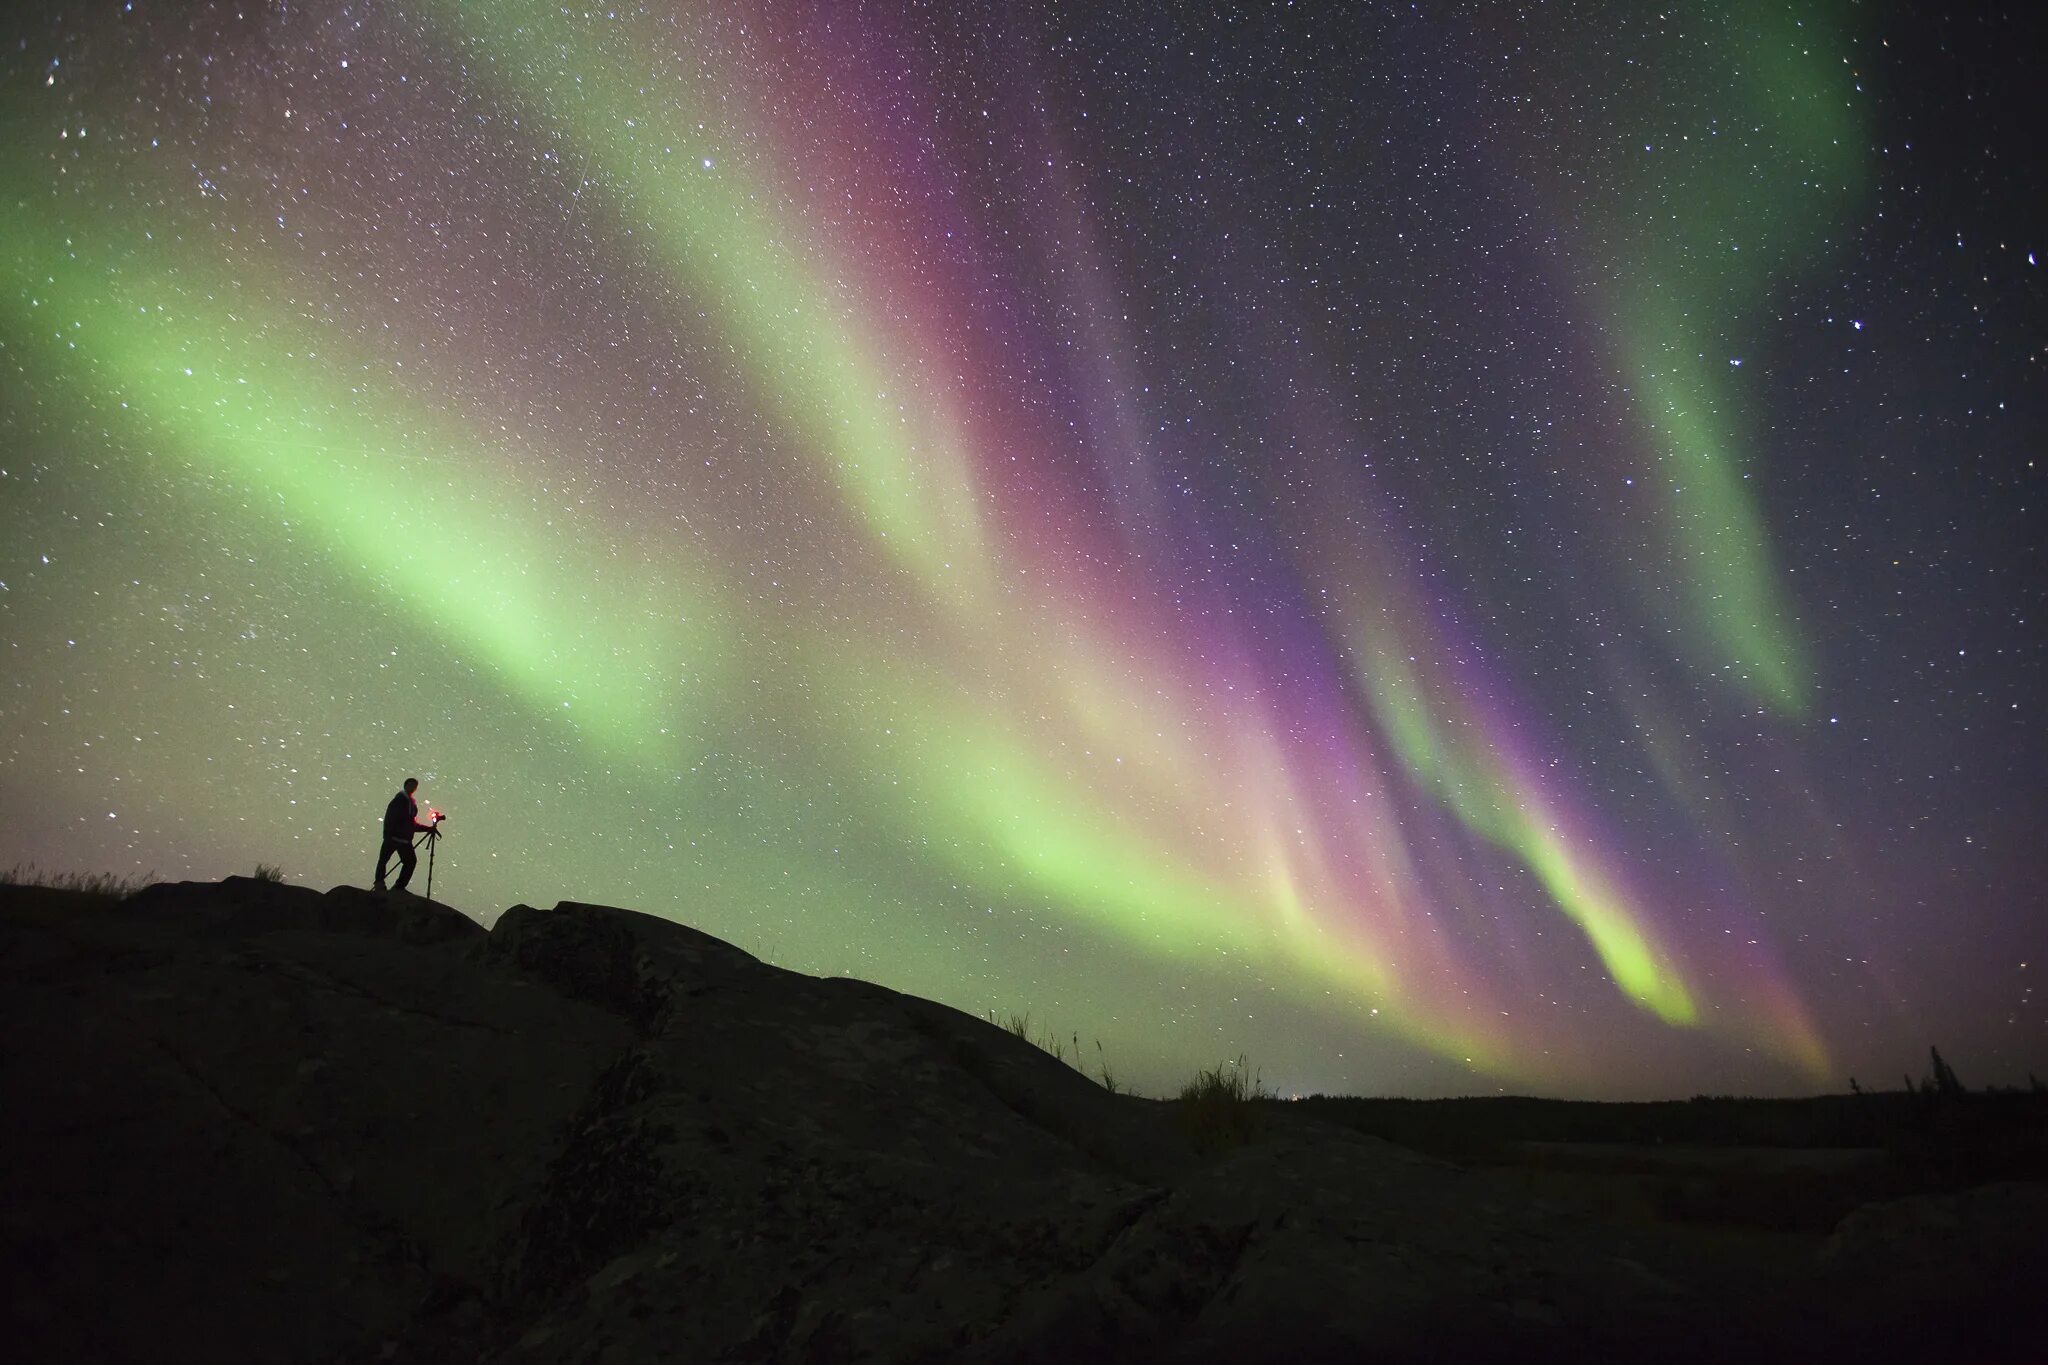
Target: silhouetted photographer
x=401, y=822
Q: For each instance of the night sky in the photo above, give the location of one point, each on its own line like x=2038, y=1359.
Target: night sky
x=1445, y=549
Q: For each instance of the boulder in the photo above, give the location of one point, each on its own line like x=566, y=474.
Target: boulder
x=254, y=1121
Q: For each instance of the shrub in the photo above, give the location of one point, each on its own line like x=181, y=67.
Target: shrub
x=268, y=872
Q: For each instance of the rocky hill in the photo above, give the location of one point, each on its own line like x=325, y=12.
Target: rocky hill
x=250, y=1121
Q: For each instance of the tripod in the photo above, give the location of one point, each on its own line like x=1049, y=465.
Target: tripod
x=433, y=838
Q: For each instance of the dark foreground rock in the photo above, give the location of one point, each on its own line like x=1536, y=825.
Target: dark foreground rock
x=252, y=1122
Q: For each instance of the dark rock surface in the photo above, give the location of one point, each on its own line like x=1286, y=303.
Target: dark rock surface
x=249, y=1121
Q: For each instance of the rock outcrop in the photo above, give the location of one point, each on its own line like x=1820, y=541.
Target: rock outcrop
x=252, y=1121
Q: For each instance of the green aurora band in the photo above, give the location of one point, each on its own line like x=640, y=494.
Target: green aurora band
x=1017, y=754
x=1748, y=196
x=172, y=348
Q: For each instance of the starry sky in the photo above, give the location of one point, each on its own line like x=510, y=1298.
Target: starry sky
x=1441, y=548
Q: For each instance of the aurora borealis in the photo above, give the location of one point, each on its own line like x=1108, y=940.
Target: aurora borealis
x=1442, y=549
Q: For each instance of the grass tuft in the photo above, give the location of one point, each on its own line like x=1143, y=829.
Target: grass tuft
x=268, y=872
x=1109, y=1080
x=106, y=885
x=1219, y=1108
x=1066, y=1049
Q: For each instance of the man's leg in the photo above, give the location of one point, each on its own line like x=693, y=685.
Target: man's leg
x=383, y=861
x=407, y=861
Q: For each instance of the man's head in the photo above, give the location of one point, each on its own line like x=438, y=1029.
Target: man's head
x=411, y=785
